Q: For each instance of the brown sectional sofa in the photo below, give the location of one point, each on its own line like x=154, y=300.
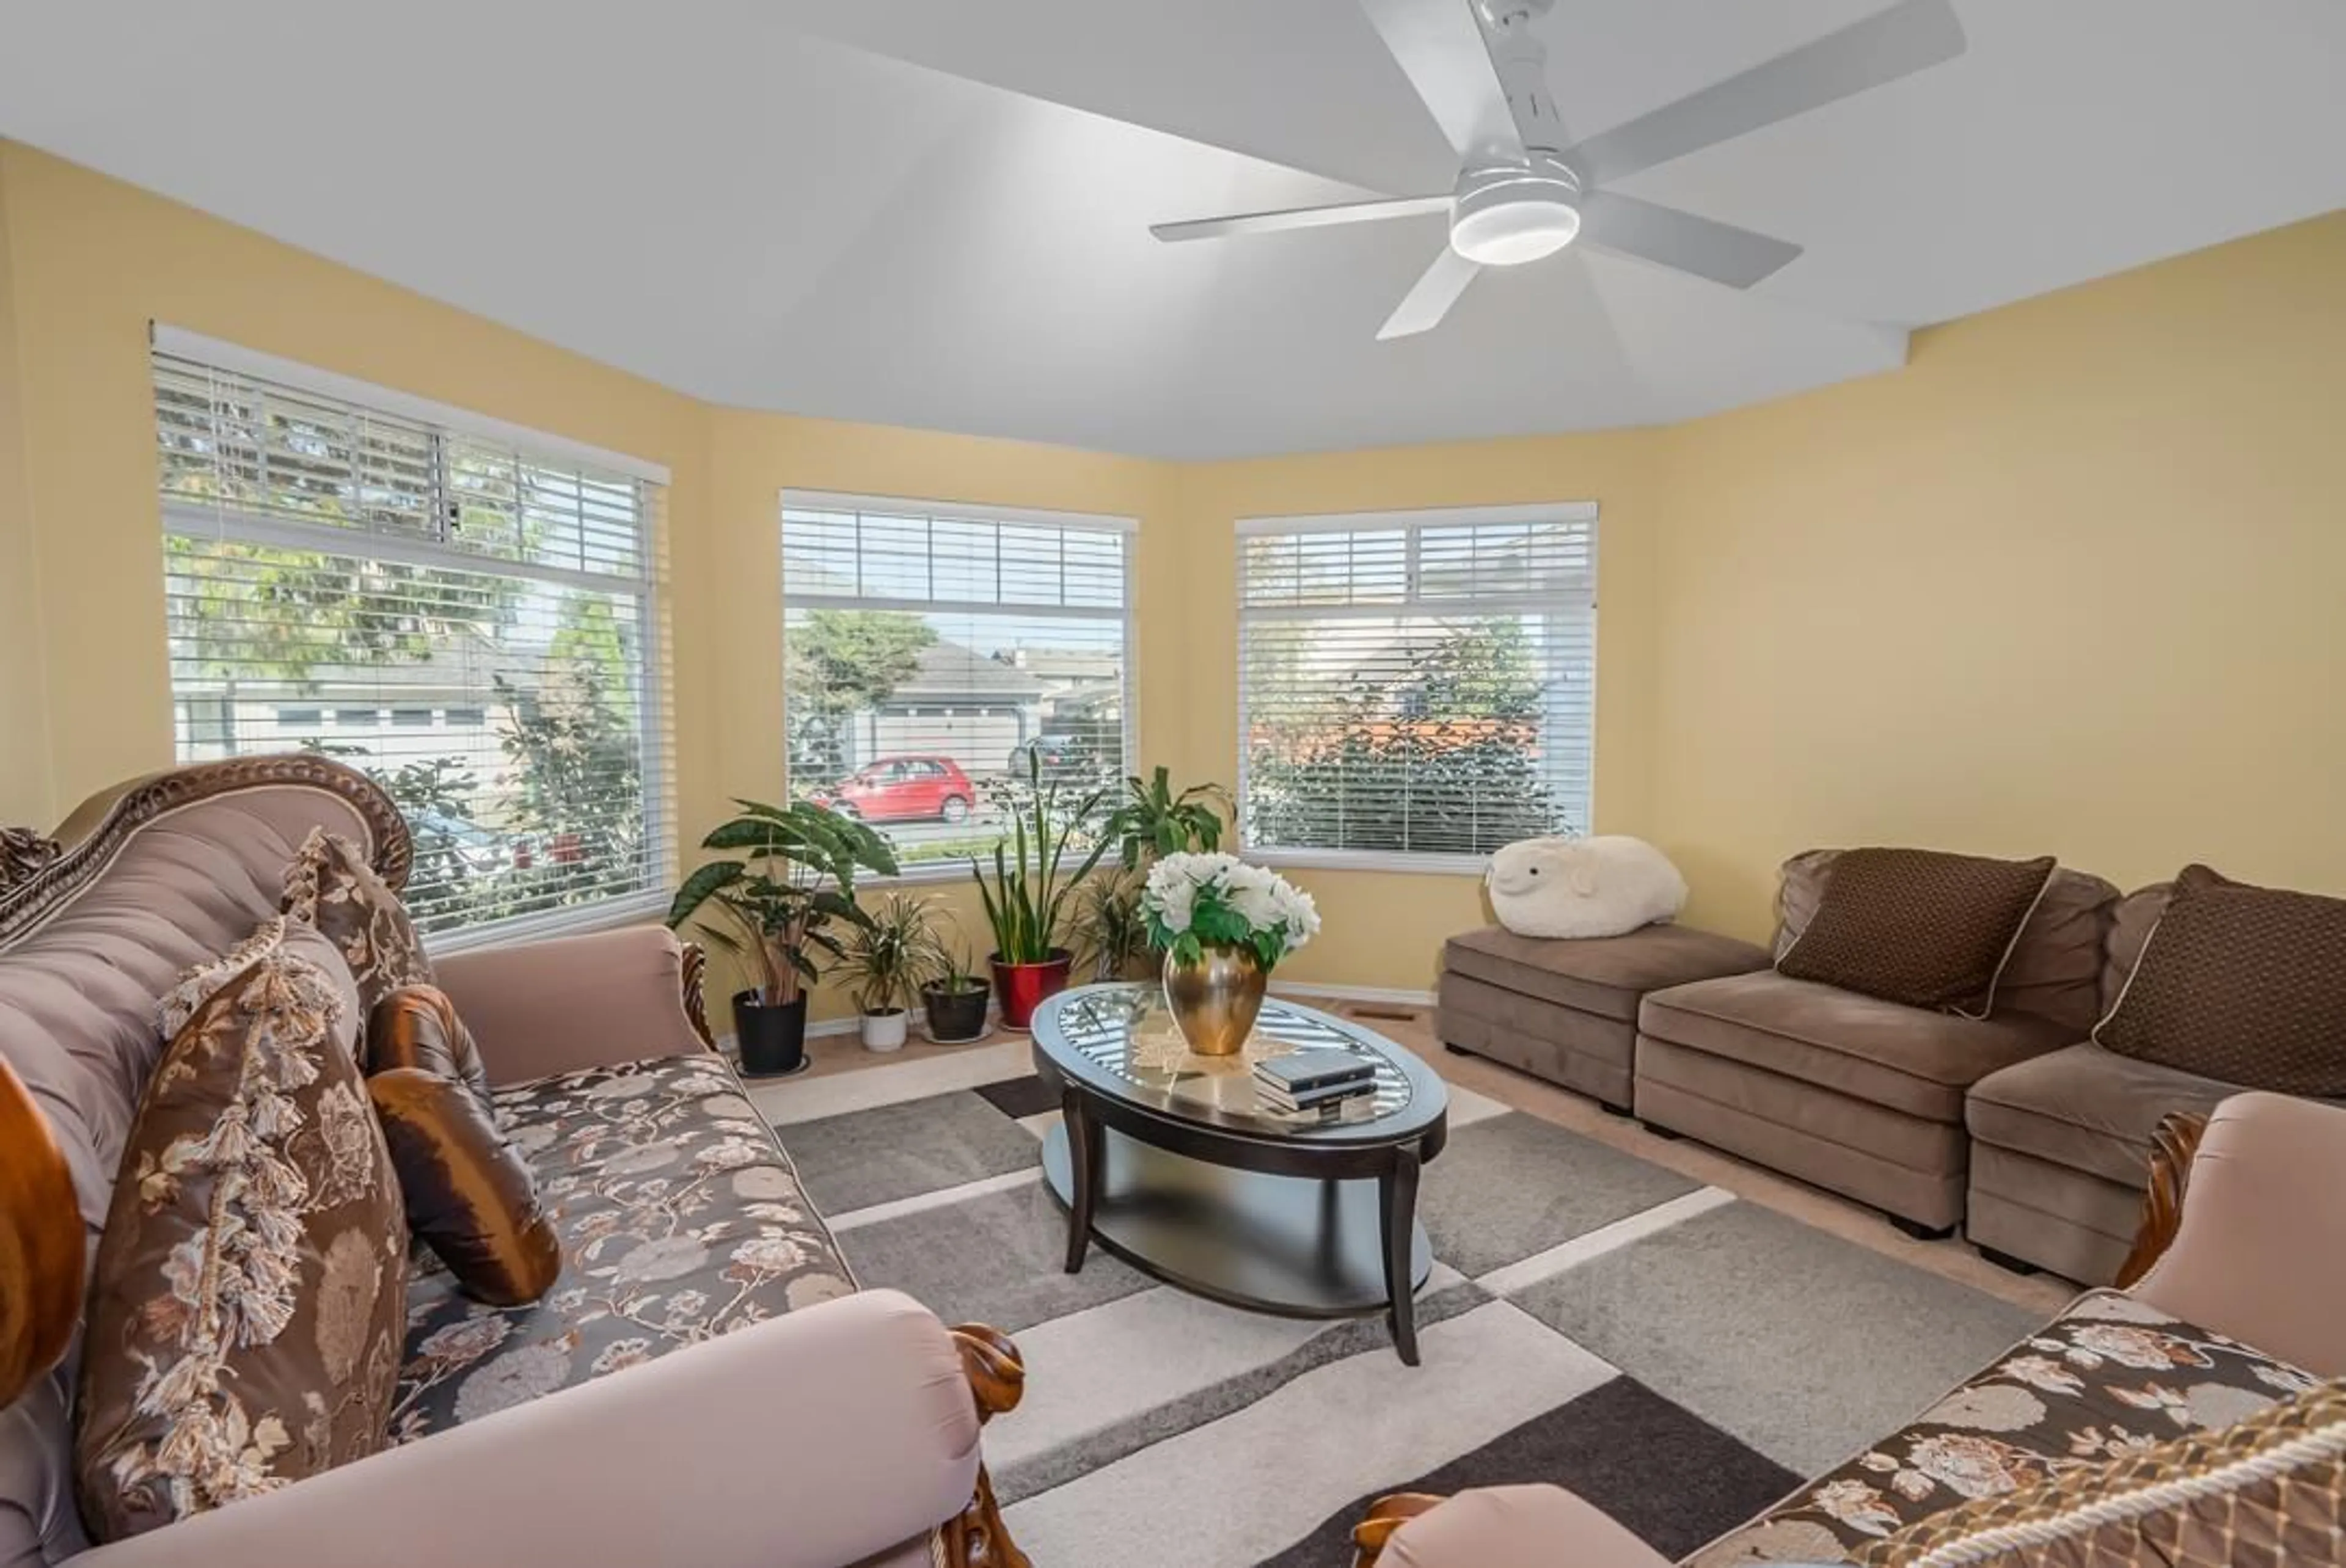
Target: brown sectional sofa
x=2061, y=1143
x=2015, y=1126
x=1860, y=1095
x=1567, y=1011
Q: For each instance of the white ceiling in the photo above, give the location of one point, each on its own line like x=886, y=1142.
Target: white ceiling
x=934, y=212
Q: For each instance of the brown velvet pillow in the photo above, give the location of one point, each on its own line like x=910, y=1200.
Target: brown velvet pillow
x=469, y=1195
x=2241, y=983
x=1918, y=926
x=249, y=1294
x=330, y=886
x=2271, y=1489
x=417, y=1026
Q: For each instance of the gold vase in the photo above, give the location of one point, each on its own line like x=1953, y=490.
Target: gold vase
x=1214, y=1000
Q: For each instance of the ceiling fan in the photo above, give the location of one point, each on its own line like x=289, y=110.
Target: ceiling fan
x=1522, y=194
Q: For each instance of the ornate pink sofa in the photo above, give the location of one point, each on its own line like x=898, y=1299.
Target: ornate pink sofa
x=2241, y=1252
x=786, y=1421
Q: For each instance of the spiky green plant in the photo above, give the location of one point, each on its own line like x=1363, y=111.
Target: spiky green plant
x=1026, y=900
x=1109, y=931
x=887, y=954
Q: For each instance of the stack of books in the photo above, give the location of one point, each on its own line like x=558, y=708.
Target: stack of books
x=1317, y=1086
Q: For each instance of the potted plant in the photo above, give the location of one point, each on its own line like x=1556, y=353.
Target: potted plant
x=954, y=1002
x=795, y=876
x=881, y=962
x=1152, y=820
x=1027, y=896
x=1224, y=925
x=1110, y=933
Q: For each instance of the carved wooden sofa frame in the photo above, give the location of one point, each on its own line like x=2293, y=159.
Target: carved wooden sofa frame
x=43, y=1262
x=2172, y=1148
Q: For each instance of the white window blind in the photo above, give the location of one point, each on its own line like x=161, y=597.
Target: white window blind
x=473, y=621
x=931, y=649
x=1416, y=683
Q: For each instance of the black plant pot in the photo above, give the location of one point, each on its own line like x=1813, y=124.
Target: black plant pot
x=773, y=1038
x=954, y=1017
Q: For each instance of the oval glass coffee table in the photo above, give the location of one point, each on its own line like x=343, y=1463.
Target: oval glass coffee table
x=1171, y=1163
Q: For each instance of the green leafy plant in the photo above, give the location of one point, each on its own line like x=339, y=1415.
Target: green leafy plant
x=1152, y=820
x=1026, y=899
x=795, y=877
x=952, y=970
x=885, y=954
x=1108, y=929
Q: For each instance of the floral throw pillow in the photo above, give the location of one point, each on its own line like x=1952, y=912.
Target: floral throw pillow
x=330, y=886
x=251, y=1284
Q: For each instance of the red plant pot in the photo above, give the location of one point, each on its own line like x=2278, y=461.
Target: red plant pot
x=1021, y=987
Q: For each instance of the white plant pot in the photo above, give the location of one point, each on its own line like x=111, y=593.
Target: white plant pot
x=885, y=1031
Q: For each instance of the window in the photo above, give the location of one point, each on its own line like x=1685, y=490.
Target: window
x=336, y=550
x=932, y=650
x=1415, y=684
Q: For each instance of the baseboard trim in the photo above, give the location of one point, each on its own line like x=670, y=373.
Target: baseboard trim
x=1398, y=997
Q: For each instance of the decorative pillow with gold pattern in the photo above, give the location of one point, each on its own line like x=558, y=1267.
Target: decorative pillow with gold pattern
x=250, y=1294
x=330, y=886
x=2268, y=1490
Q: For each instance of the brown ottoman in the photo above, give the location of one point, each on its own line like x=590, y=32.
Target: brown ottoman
x=1567, y=1011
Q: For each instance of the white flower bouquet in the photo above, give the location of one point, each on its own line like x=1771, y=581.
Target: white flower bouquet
x=1195, y=901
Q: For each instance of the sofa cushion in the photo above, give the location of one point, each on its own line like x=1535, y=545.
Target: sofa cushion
x=2268, y=1490
x=2243, y=983
x=1914, y=1060
x=2109, y=1376
x=330, y=885
x=2087, y=1108
x=680, y=1218
x=1918, y=926
x=1604, y=975
x=417, y=1026
x=2056, y=970
x=470, y=1196
x=245, y=1312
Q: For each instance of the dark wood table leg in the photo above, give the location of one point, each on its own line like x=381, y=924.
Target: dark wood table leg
x=1397, y=1210
x=1084, y=1149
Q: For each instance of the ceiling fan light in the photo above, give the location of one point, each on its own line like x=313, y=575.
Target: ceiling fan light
x=1513, y=213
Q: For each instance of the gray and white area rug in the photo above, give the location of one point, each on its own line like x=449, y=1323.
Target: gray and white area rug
x=1676, y=1356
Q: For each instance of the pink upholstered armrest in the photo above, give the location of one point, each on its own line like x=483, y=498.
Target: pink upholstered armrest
x=815, y=1441
x=2260, y=1254
x=1515, y=1527
x=544, y=1007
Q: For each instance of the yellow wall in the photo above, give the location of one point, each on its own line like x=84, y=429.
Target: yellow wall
x=95, y=261
x=2066, y=583
x=25, y=793
x=2069, y=583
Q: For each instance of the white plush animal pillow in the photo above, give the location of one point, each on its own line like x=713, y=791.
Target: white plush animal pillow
x=1602, y=886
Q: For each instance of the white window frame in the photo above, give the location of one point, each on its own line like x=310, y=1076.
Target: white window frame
x=654, y=692
x=1424, y=863
x=940, y=872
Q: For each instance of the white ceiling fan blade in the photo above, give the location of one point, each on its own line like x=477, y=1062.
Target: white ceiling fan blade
x=1430, y=298
x=1909, y=36
x=1299, y=217
x=1439, y=47
x=1702, y=246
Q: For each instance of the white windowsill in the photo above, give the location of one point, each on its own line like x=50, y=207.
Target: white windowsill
x=1369, y=861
